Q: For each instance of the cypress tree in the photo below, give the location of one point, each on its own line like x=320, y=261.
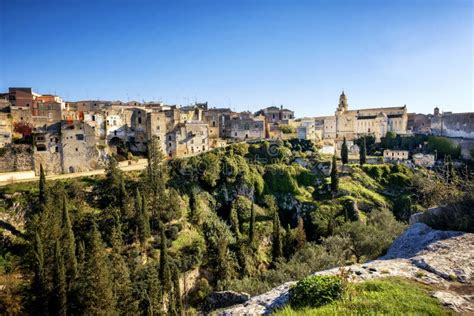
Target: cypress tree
x=334, y=176
x=177, y=291
x=122, y=285
x=300, y=235
x=165, y=273
x=363, y=152
x=344, y=152
x=277, y=250
x=234, y=222
x=252, y=225
x=96, y=288
x=146, y=309
x=39, y=286
x=288, y=243
x=59, y=293
x=144, y=222
x=69, y=245
x=42, y=186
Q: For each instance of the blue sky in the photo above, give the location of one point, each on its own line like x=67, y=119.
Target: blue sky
x=244, y=54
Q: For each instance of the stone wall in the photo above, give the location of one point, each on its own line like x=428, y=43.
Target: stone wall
x=16, y=158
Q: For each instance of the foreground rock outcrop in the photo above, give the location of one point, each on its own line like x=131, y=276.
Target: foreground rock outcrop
x=442, y=258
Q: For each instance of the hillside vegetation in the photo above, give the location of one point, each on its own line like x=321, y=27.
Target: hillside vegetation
x=246, y=217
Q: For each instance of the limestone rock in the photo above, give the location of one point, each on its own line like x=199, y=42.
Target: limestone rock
x=421, y=253
x=226, y=298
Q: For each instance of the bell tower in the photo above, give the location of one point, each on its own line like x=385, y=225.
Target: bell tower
x=342, y=102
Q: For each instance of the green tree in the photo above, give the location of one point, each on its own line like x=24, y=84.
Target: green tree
x=344, y=152
x=334, y=175
x=39, y=283
x=122, y=285
x=234, y=222
x=177, y=291
x=157, y=174
x=42, y=186
x=68, y=245
x=252, y=226
x=109, y=190
x=363, y=152
x=59, y=293
x=288, y=243
x=143, y=221
x=277, y=247
x=300, y=235
x=165, y=271
x=218, y=237
x=96, y=290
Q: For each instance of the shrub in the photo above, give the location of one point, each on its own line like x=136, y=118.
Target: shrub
x=315, y=291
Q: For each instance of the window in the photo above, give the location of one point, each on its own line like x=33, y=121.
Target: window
x=79, y=137
x=139, y=120
x=203, y=141
x=77, y=149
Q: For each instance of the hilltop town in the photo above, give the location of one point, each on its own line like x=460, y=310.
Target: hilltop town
x=76, y=136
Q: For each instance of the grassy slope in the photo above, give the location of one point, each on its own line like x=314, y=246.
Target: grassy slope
x=390, y=296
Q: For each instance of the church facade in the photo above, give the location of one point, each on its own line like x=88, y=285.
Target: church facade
x=353, y=124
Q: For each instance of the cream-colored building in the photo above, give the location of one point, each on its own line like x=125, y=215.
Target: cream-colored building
x=395, y=155
x=352, y=124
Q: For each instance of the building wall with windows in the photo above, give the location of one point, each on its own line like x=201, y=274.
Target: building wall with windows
x=352, y=124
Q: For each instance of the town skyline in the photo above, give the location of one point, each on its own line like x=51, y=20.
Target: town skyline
x=245, y=55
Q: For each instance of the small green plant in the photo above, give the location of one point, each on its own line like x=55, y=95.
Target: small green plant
x=452, y=277
x=315, y=291
x=419, y=274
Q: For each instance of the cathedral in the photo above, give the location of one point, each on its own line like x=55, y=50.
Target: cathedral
x=352, y=124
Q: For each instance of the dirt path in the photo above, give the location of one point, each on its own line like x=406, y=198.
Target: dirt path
x=132, y=167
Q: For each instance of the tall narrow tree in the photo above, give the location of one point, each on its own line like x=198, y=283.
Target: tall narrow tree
x=143, y=222
x=363, y=152
x=252, y=225
x=97, y=293
x=122, y=285
x=288, y=243
x=344, y=152
x=39, y=285
x=177, y=291
x=334, y=175
x=234, y=222
x=300, y=234
x=68, y=245
x=42, y=186
x=165, y=272
x=59, y=292
x=277, y=246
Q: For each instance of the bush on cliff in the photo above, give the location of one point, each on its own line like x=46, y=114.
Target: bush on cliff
x=315, y=291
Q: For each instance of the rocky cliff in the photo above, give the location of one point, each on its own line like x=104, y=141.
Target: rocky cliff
x=442, y=258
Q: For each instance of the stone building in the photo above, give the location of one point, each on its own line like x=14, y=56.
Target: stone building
x=307, y=128
x=35, y=109
x=6, y=128
x=395, y=155
x=187, y=139
x=423, y=160
x=275, y=117
x=66, y=148
x=215, y=119
x=452, y=124
x=352, y=124
x=244, y=127
x=419, y=123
